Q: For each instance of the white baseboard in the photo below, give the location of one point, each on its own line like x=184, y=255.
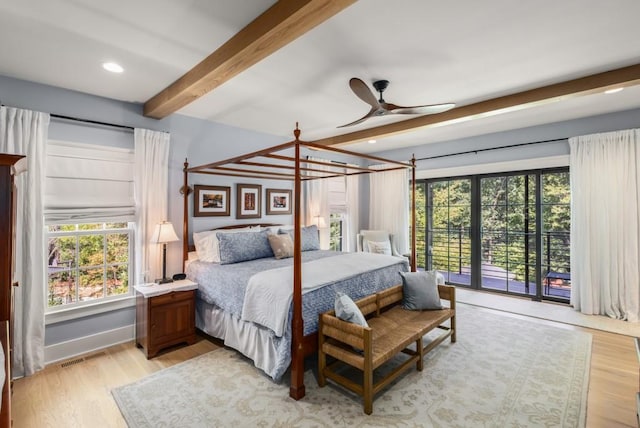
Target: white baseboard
x=83, y=345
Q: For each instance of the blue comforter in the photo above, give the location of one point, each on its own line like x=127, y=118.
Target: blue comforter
x=224, y=286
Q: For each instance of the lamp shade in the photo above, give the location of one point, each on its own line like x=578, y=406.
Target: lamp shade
x=164, y=232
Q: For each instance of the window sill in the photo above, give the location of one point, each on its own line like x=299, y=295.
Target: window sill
x=60, y=315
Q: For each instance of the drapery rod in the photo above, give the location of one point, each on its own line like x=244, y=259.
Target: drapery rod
x=94, y=122
x=493, y=148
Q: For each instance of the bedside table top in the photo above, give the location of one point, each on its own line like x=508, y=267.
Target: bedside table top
x=150, y=290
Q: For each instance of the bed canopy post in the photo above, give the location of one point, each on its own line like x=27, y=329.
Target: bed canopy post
x=185, y=190
x=297, y=389
x=414, y=267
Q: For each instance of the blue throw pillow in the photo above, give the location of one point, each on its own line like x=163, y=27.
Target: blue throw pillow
x=309, y=237
x=347, y=310
x=420, y=290
x=243, y=246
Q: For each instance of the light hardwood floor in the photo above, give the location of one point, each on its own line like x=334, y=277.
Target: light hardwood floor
x=78, y=395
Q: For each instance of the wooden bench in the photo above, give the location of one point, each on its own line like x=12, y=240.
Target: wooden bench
x=392, y=329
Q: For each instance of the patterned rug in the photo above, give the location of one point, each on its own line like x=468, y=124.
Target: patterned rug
x=502, y=372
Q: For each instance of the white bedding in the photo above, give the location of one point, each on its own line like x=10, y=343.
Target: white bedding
x=269, y=293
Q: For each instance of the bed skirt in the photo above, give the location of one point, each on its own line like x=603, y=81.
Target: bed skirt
x=268, y=352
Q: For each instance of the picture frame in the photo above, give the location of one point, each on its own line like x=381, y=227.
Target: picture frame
x=211, y=201
x=278, y=201
x=248, y=201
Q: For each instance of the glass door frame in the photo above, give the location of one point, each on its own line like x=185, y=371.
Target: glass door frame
x=475, y=232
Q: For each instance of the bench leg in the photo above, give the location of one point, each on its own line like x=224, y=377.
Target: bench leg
x=454, y=330
x=420, y=351
x=368, y=392
x=322, y=358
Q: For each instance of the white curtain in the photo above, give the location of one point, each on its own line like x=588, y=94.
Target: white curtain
x=353, y=213
x=25, y=132
x=315, y=204
x=605, y=212
x=389, y=205
x=151, y=178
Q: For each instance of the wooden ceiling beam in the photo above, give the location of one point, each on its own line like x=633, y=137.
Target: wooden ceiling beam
x=279, y=25
x=621, y=77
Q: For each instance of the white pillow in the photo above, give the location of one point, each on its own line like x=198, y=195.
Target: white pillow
x=208, y=246
x=382, y=247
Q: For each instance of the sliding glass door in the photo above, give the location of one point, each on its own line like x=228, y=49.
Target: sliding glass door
x=507, y=233
x=448, y=229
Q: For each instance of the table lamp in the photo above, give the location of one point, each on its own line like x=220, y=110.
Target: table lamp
x=162, y=234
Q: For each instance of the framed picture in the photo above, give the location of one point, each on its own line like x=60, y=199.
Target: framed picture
x=211, y=201
x=278, y=201
x=248, y=198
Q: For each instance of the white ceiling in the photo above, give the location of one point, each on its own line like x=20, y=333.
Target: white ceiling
x=432, y=51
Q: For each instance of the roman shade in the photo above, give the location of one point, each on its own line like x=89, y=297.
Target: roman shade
x=88, y=183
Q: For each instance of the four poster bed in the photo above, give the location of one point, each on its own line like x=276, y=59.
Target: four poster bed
x=238, y=298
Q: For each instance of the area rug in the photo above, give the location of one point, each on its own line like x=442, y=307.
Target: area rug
x=502, y=372
x=546, y=310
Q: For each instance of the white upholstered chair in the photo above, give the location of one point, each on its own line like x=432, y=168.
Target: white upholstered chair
x=376, y=241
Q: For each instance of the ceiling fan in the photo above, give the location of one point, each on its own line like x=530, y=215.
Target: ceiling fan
x=382, y=108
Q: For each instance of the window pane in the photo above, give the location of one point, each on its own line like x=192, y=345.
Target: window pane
x=116, y=226
x=439, y=193
x=91, y=250
x=62, y=252
x=62, y=288
x=493, y=191
x=117, y=280
x=91, y=284
x=91, y=226
x=61, y=227
x=117, y=248
x=515, y=189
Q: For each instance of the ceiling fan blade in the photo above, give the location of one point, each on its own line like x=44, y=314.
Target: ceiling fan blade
x=363, y=92
x=362, y=119
x=427, y=109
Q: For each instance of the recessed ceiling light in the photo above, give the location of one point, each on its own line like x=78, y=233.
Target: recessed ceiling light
x=613, y=91
x=112, y=67
x=371, y=141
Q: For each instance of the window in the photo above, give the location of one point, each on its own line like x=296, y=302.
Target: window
x=337, y=212
x=507, y=232
x=87, y=262
x=88, y=213
x=336, y=223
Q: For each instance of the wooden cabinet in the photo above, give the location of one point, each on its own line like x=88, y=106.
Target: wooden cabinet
x=7, y=239
x=165, y=319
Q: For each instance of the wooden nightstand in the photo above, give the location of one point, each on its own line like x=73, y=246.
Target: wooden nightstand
x=165, y=315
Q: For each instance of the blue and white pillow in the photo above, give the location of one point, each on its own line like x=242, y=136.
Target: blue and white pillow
x=309, y=237
x=244, y=246
x=347, y=310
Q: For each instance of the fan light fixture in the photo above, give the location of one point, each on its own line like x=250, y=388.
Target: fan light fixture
x=112, y=67
x=379, y=107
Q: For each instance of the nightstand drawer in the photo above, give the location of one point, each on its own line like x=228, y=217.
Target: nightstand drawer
x=167, y=299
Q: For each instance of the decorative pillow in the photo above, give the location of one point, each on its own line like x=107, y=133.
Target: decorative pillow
x=207, y=244
x=347, y=310
x=281, y=245
x=382, y=247
x=309, y=237
x=420, y=291
x=243, y=246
